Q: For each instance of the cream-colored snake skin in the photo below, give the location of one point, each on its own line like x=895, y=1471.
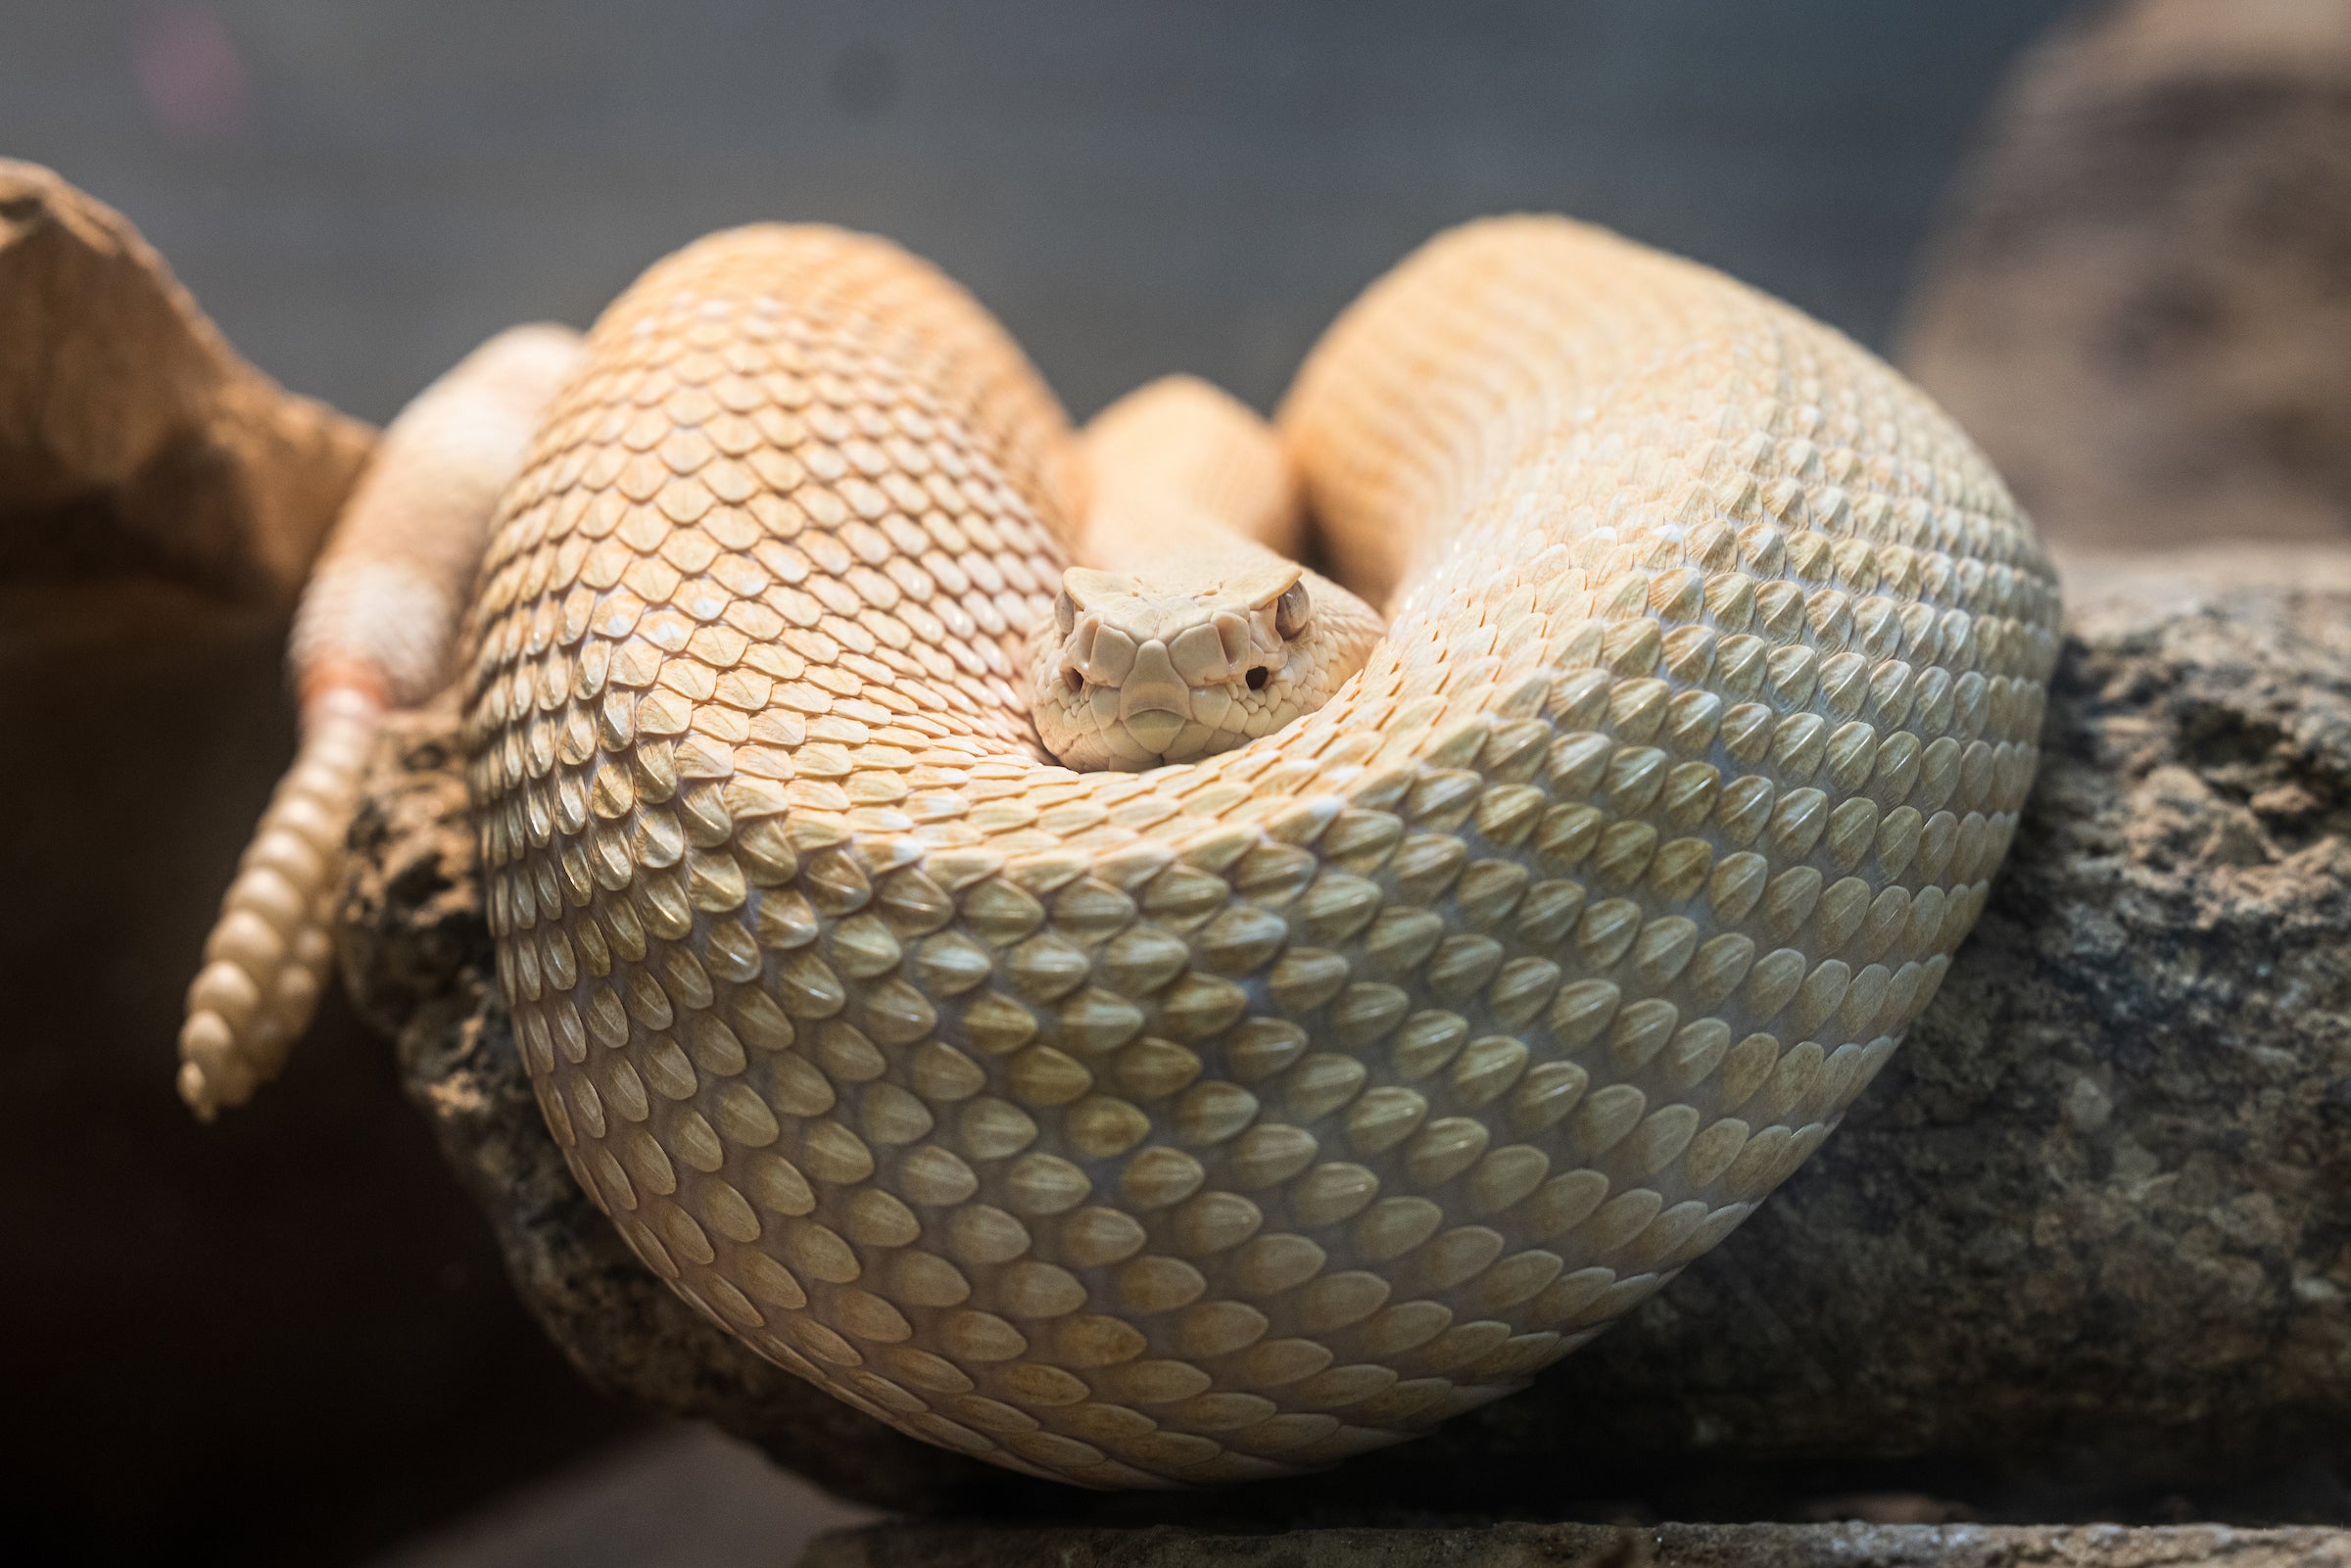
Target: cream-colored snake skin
x=1225, y=1119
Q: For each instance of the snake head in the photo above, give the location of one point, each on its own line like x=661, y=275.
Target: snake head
x=1192, y=657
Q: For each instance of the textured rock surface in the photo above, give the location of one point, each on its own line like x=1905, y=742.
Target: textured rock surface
x=2082, y=1245
x=131, y=435
x=1525, y=1545
x=2138, y=306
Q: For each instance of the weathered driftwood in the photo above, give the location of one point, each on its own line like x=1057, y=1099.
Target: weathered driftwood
x=132, y=437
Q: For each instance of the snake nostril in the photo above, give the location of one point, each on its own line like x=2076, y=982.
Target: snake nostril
x=1256, y=678
x=1073, y=680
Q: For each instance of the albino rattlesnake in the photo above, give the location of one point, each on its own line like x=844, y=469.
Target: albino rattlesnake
x=1148, y=1129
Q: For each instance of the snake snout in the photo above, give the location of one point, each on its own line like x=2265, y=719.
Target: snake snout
x=1155, y=729
x=1154, y=701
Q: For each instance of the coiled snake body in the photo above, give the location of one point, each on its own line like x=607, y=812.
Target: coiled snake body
x=1226, y=1119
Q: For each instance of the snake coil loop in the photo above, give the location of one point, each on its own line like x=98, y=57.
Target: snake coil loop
x=1226, y=1119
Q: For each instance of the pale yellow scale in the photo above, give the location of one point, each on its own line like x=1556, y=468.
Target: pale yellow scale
x=1229, y=1119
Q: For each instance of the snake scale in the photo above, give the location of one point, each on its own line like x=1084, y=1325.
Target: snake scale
x=1229, y=1117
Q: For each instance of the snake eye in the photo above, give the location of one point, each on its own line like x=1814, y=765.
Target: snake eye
x=1290, y=611
x=1065, y=611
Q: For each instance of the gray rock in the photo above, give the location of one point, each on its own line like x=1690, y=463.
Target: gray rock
x=2137, y=304
x=1573, y=1545
x=2084, y=1245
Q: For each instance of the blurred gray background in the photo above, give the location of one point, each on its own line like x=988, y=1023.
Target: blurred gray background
x=284, y=1339
x=360, y=190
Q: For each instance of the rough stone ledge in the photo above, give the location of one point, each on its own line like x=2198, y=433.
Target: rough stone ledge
x=2083, y=1252
x=1579, y=1545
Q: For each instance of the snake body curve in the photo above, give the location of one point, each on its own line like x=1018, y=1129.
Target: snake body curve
x=1226, y=1120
